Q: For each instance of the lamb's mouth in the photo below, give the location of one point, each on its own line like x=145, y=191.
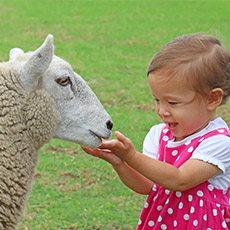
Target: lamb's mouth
x=95, y=135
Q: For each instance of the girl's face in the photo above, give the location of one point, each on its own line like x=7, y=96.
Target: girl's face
x=183, y=110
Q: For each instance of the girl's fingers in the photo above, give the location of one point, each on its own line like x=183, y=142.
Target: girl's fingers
x=104, y=154
x=109, y=144
x=119, y=143
x=106, y=146
x=103, y=151
x=87, y=150
x=94, y=151
x=90, y=151
x=122, y=138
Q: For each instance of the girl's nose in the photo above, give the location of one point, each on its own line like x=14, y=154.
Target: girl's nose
x=163, y=112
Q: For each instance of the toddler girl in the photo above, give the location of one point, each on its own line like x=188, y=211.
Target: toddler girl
x=185, y=165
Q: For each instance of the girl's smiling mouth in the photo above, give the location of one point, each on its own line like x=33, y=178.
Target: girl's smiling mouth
x=171, y=125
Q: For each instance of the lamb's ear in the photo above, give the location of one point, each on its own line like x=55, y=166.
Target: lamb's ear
x=37, y=64
x=14, y=53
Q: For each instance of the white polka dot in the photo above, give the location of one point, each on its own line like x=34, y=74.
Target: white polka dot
x=165, y=131
x=190, y=149
x=223, y=212
x=178, y=158
x=167, y=201
x=218, y=205
x=159, y=208
x=201, y=203
x=151, y=223
x=178, y=194
x=163, y=227
x=146, y=205
x=174, y=223
x=167, y=191
x=200, y=193
x=192, y=209
x=139, y=222
x=205, y=217
x=209, y=229
x=210, y=187
x=186, y=216
x=187, y=142
x=165, y=138
x=180, y=206
x=154, y=188
x=214, y=211
x=225, y=191
x=190, y=198
x=227, y=220
x=195, y=222
x=155, y=197
x=201, y=139
x=224, y=225
x=220, y=130
x=170, y=211
x=159, y=219
x=174, y=152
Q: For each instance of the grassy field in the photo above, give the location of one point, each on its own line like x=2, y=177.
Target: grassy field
x=109, y=43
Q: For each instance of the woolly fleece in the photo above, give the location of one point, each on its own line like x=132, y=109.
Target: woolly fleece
x=27, y=121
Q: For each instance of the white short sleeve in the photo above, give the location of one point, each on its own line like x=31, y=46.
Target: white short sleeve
x=152, y=140
x=216, y=150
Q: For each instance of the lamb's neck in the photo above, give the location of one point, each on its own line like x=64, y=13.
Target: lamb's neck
x=18, y=156
x=40, y=117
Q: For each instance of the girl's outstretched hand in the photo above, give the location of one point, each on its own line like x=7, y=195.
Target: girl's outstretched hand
x=122, y=147
x=104, y=154
x=114, y=151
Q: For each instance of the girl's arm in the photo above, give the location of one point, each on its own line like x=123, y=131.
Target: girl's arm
x=190, y=174
x=130, y=177
x=133, y=179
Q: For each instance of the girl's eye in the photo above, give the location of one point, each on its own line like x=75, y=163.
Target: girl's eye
x=173, y=103
x=63, y=81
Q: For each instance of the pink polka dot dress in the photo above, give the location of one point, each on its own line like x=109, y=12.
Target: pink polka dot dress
x=203, y=207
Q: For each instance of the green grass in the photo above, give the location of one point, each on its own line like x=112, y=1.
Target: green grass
x=110, y=44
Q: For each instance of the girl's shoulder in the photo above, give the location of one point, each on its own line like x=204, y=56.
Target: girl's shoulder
x=215, y=150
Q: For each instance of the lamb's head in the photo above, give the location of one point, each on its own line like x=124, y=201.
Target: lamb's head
x=82, y=118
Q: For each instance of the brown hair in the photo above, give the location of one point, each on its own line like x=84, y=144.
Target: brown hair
x=198, y=58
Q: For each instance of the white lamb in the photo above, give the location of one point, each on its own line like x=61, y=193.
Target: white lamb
x=40, y=97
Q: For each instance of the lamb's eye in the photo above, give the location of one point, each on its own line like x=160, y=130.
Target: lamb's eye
x=63, y=81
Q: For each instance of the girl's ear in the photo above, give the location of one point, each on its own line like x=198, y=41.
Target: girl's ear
x=215, y=98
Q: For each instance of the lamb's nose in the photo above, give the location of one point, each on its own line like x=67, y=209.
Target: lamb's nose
x=109, y=124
